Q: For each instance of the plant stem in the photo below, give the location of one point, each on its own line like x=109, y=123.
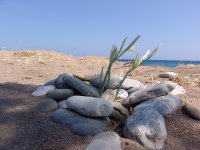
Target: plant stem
x=126, y=75
x=106, y=77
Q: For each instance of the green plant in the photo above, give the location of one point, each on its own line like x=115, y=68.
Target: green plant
x=116, y=54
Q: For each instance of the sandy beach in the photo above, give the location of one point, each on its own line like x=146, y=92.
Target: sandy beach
x=21, y=127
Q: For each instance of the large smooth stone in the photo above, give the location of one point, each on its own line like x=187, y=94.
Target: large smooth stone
x=114, y=82
x=147, y=127
x=60, y=94
x=79, y=124
x=151, y=92
x=90, y=106
x=168, y=75
x=47, y=105
x=81, y=86
x=178, y=90
x=43, y=90
x=192, y=111
x=119, y=112
x=59, y=83
x=105, y=141
x=110, y=94
x=165, y=105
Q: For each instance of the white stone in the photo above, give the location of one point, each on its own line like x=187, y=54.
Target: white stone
x=121, y=94
x=178, y=90
x=90, y=106
x=110, y=94
x=168, y=75
x=43, y=90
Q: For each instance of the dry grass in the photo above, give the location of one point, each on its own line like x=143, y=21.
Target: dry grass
x=32, y=54
x=180, y=80
x=189, y=66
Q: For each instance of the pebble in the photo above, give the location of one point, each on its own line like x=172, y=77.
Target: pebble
x=80, y=124
x=90, y=106
x=81, y=86
x=192, y=111
x=105, y=141
x=121, y=94
x=119, y=113
x=59, y=83
x=47, y=105
x=60, y=94
x=168, y=75
x=110, y=94
x=43, y=90
x=165, y=105
x=178, y=90
x=147, y=127
x=114, y=82
x=151, y=92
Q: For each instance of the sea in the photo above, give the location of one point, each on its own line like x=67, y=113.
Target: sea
x=165, y=63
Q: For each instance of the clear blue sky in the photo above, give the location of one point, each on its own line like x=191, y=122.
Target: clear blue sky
x=91, y=27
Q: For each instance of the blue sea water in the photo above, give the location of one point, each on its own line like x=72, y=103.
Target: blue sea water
x=165, y=63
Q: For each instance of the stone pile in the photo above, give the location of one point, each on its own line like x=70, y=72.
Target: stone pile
x=140, y=110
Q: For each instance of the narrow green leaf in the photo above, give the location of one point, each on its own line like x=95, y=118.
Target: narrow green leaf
x=132, y=43
x=109, y=72
x=112, y=51
x=129, y=46
x=120, y=84
x=101, y=91
x=154, y=51
x=122, y=45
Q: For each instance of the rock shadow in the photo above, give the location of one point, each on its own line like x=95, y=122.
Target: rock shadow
x=21, y=127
